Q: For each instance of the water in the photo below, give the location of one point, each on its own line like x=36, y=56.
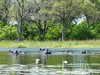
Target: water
x=81, y=61
x=19, y=69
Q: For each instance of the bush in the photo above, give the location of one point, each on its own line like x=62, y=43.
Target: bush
x=54, y=33
x=30, y=32
x=1, y=24
x=96, y=26
x=8, y=32
x=82, y=32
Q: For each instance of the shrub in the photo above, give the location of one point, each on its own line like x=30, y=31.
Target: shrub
x=82, y=32
x=96, y=26
x=8, y=32
x=54, y=33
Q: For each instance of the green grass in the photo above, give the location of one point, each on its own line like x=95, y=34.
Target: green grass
x=51, y=44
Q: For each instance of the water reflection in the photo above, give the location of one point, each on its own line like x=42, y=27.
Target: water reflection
x=17, y=56
x=78, y=63
x=43, y=55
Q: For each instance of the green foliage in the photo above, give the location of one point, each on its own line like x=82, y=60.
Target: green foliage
x=25, y=12
x=82, y=32
x=96, y=26
x=54, y=33
x=8, y=32
x=1, y=24
x=30, y=32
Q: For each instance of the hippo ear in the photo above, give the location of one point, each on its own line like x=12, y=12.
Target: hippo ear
x=40, y=49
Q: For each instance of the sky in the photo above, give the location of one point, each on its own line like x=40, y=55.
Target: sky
x=77, y=21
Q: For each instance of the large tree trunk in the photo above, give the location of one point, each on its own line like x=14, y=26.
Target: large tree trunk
x=5, y=19
x=64, y=31
x=42, y=35
x=42, y=30
x=19, y=32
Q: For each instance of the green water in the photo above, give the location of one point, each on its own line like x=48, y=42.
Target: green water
x=5, y=58
x=74, y=61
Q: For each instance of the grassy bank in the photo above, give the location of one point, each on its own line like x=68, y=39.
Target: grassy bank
x=51, y=44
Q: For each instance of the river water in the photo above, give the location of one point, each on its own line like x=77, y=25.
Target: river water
x=80, y=61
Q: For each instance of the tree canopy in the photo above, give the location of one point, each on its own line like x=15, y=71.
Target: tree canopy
x=49, y=19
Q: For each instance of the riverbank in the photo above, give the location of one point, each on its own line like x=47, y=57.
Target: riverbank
x=51, y=44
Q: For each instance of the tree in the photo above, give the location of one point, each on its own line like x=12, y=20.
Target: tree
x=90, y=11
x=42, y=18
x=5, y=6
x=22, y=12
x=64, y=11
x=97, y=8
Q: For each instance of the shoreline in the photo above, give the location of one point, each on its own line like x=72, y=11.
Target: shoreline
x=51, y=44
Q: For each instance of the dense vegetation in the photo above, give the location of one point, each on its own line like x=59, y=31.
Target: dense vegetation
x=49, y=20
x=75, y=32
